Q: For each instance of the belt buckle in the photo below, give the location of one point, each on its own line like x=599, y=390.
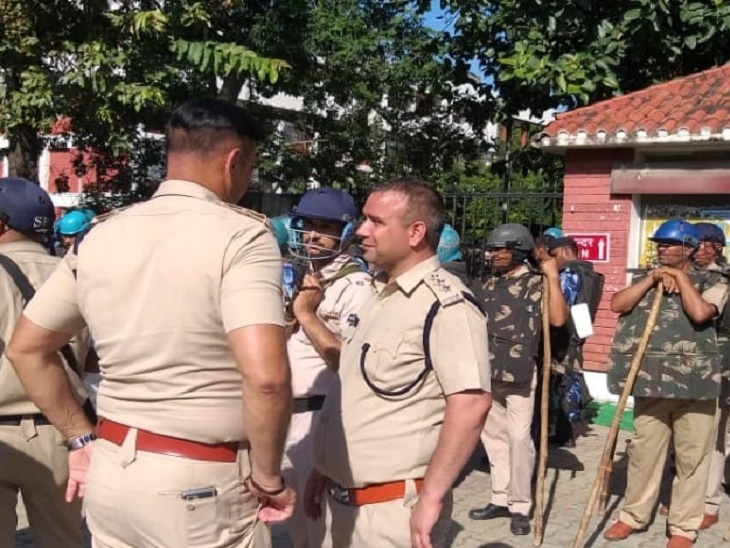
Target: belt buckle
x=339, y=493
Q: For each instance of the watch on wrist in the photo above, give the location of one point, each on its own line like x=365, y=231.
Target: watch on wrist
x=77, y=442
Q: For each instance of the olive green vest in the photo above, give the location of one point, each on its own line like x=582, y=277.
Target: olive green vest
x=681, y=360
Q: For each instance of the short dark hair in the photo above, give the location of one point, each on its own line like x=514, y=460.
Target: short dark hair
x=198, y=125
x=424, y=203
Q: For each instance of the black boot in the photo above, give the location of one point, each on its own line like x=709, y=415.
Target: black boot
x=490, y=511
x=519, y=524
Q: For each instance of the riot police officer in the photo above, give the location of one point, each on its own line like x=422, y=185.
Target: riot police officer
x=326, y=308
x=675, y=393
x=72, y=224
x=513, y=303
x=33, y=461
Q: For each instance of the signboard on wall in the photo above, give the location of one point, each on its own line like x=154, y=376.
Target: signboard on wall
x=656, y=214
x=594, y=247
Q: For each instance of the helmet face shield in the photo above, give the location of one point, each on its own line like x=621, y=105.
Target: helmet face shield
x=318, y=239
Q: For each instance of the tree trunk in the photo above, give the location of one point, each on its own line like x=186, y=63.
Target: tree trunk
x=23, y=152
x=231, y=88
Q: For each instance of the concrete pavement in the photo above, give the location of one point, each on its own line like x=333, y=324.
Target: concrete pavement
x=567, y=485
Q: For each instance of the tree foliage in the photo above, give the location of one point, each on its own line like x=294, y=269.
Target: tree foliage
x=378, y=100
x=542, y=54
x=113, y=68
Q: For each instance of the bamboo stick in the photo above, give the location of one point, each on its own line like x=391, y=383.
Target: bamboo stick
x=544, y=409
x=608, y=449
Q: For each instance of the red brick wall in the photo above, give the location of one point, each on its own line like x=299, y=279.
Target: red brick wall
x=588, y=206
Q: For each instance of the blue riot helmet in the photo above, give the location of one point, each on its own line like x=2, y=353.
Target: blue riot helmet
x=677, y=231
x=325, y=204
x=73, y=223
x=553, y=232
x=710, y=233
x=25, y=206
x=449, y=242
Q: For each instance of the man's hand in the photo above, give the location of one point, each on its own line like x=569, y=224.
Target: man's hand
x=313, y=494
x=550, y=267
x=424, y=516
x=670, y=278
x=78, y=466
x=308, y=297
x=274, y=508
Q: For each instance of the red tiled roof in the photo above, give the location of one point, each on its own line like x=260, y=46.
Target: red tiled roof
x=685, y=109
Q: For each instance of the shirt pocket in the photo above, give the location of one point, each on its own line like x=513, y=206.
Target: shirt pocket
x=394, y=368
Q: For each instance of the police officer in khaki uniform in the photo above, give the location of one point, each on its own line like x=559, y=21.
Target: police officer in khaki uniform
x=326, y=308
x=182, y=296
x=405, y=412
x=513, y=303
x=32, y=458
x=675, y=393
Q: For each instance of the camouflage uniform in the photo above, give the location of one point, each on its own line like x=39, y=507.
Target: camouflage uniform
x=716, y=476
x=675, y=397
x=513, y=306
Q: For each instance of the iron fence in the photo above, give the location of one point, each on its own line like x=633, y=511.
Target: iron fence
x=472, y=214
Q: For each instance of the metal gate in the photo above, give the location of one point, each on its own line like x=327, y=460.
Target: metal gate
x=472, y=214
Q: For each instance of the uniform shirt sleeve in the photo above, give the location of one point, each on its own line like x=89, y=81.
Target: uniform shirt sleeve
x=55, y=305
x=356, y=291
x=251, y=291
x=459, y=350
x=717, y=295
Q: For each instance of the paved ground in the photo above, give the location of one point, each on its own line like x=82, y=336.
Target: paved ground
x=568, y=482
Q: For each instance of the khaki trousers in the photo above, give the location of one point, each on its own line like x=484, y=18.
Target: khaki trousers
x=133, y=500
x=690, y=423
x=298, y=457
x=383, y=525
x=508, y=442
x=720, y=451
x=34, y=461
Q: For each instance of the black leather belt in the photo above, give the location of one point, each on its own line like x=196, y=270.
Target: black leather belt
x=310, y=403
x=15, y=420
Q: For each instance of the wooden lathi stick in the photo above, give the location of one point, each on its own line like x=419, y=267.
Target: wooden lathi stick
x=544, y=409
x=608, y=449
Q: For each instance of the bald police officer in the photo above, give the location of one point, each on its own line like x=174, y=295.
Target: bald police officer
x=405, y=412
x=183, y=298
x=326, y=308
x=675, y=394
x=32, y=460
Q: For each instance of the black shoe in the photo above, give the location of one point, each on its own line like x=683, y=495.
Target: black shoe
x=490, y=511
x=519, y=524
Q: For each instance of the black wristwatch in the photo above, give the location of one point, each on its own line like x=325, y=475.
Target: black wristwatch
x=77, y=442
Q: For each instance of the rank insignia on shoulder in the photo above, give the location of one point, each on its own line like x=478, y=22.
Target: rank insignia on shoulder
x=353, y=320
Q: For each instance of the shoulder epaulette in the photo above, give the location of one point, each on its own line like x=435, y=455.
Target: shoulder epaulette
x=250, y=213
x=445, y=291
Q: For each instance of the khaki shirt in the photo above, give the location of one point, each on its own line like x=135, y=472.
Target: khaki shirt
x=342, y=302
x=160, y=284
x=37, y=264
x=364, y=438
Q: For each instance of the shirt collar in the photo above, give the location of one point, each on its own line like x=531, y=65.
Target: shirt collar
x=410, y=279
x=334, y=266
x=178, y=187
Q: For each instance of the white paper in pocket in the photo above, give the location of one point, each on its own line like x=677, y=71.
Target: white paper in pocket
x=581, y=316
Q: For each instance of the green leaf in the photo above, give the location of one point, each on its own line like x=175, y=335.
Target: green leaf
x=632, y=15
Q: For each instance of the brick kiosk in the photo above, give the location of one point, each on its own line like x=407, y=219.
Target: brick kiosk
x=630, y=163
